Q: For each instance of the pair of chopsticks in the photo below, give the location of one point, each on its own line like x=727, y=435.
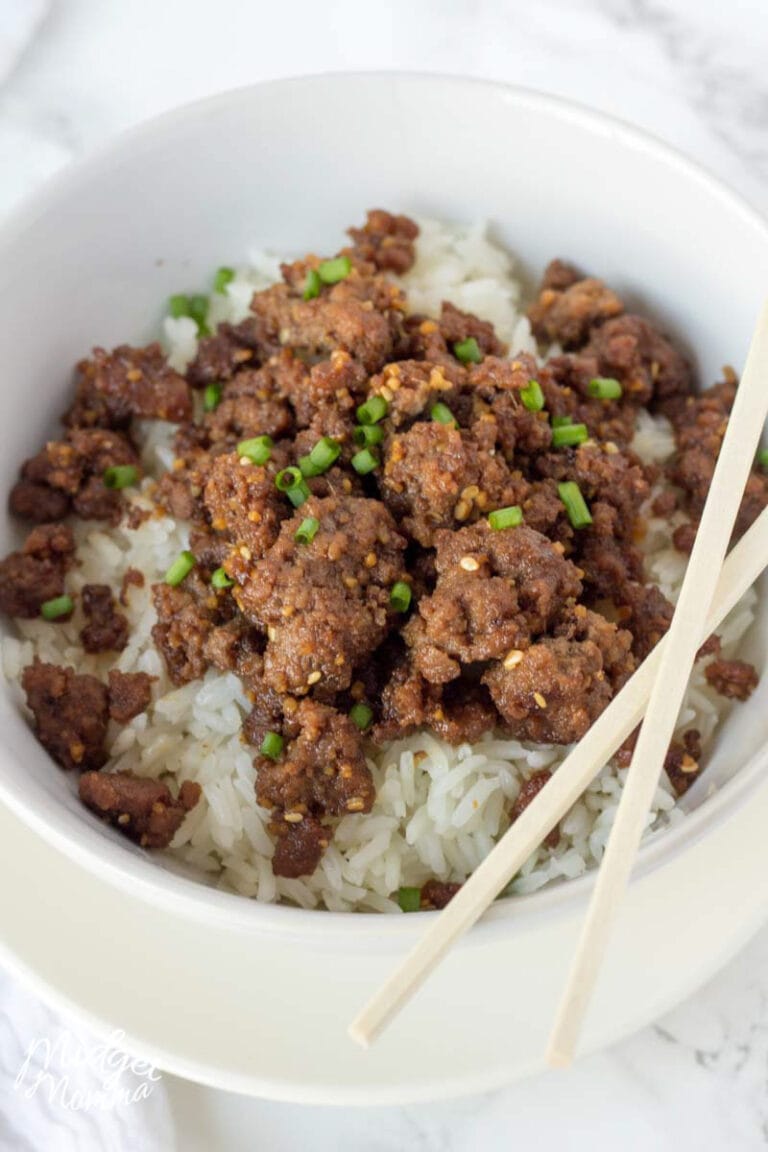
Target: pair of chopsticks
x=712, y=586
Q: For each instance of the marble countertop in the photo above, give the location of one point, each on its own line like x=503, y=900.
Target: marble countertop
x=692, y=73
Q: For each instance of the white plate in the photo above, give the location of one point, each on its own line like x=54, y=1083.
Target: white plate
x=239, y=1012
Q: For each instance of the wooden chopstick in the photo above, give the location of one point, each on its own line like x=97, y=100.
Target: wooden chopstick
x=743, y=566
x=683, y=639
x=741, y=569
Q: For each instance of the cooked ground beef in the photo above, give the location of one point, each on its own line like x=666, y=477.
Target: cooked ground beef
x=106, y=629
x=68, y=476
x=529, y=790
x=141, y=808
x=35, y=574
x=113, y=387
x=129, y=694
x=734, y=679
x=436, y=894
x=508, y=630
x=70, y=714
x=682, y=762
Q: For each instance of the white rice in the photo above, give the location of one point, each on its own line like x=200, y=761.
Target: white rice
x=438, y=809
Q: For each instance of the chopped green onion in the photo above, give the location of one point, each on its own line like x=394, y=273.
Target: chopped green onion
x=312, y=284
x=219, y=579
x=212, y=396
x=292, y=483
x=506, y=517
x=575, y=504
x=561, y=421
x=324, y=454
x=272, y=745
x=762, y=458
x=307, y=530
x=223, y=277
x=180, y=569
x=604, y=388
x=400, y=596
x=367, y=435
x=120, y=476
x=409, y=899
x=59, y=606
x=361, y=715
x=532, y=396
x=468, y=351
x=373, y=410
x=365, y=461
x=442, y=414
x=198, y=310
x=179, y=306
x=331, y=271
x=258, y=450
x=569, y=434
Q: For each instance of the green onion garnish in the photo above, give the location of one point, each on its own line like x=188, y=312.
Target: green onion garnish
x=442, y=414
x=292, y=483
x=373, y=410
x=258, y=450
x=561, y=421
x=762, y=458
x=604, y=388
x=212, y=396
x=219, y=579
x=468, y=351
x=568, y=434
x=368, y=435
x=331, y=271
x=361, y=715
x=272, y=745
x=532, y=396
x=180, y=569
x=575, y=504
x=312, y=284
x=223, y=277
x=365, y=461
x=307, y=530
x=198, y=310
x=400, y=596
x=178, y=306
x=324, y=454
x=59, y=606
x=506, y=517
x=409, y=899
x=120, y=476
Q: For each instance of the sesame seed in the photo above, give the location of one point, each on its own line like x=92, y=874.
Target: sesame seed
x=462, y=510
x=134, y=375
x=469, y=564
x=370, y=560
x=158, y=808
x=385, y=392
x=314, y=677
x=688, y=764
x=513, y=658
x=356, y=804
x=293, y=817
x=124, y=818
x=610, y=448
x=540, y=700
x=245, y=552
x=271, y=632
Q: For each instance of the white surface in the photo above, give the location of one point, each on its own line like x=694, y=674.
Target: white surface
x=691, y=72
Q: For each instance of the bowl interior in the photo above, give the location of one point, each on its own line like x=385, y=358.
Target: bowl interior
x=288, y=166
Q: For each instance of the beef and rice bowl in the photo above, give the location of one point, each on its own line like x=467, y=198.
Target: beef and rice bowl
x=317, y=592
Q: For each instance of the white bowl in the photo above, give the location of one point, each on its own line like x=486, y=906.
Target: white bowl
x=287, y=166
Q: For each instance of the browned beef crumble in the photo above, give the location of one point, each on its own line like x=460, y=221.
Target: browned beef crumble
x=106, y=629
x=734, y=679
x=36, y=573
x=70, y=714
x=129, y=694
x=141, y=808
x=530, y=630
x=529, y=790
x=436, y=894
